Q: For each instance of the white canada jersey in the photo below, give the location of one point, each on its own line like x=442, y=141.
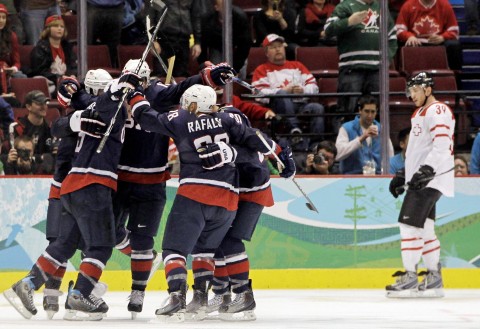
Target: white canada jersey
x=431, y=143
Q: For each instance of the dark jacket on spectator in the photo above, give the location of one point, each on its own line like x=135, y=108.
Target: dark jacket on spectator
x=41, y=60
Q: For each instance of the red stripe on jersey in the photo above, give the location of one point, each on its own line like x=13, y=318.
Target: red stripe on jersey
x=54, y=192
x=407, y=249
x=74, y=182
x=46, y=265
x=210, y=195
x=221, y=271
x=263, y=197
x=91, y=270
x=430, y=241
x=440, y=126
x=60, y=272
x=411, y=239
x=441, y=135
x=242, y=267
x=200, y=264
x=141, y=266
x=429, y=251
x=143, y=178
x=126, y=251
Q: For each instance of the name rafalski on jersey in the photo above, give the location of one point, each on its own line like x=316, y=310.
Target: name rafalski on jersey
x=204, y=123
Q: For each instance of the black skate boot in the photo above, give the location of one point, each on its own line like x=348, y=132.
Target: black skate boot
x=136, y=302
x=93, y=307
x=50, y=301
x=432, y=284
x=23, y=290
x=174, y=307
x=197, y=308
x=405, y=286
x=242, y=308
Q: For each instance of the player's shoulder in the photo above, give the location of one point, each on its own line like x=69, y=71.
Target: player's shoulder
x=438, y=109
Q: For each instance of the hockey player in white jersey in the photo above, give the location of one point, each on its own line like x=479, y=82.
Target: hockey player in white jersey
x=429, y=175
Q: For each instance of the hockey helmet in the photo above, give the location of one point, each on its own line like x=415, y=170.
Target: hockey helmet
x=204, y=96
x=96, y=80
x=143, y=72
x=423, y=79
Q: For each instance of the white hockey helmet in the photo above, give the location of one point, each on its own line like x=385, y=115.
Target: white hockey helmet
x=96, y=80
x=143, y=72
x=204, y=96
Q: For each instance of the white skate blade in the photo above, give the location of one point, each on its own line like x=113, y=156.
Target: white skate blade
x=432, y=293
x=408, y=293
x=50, y=314
x=173, y=318
x=73, y=315
x=213, y=316
x=134, y=315
x=239, y=316
x=15, y=301
x=200, y=315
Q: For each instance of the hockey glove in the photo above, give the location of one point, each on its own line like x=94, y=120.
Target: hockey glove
x=215, y=155
x=88, y=122
x=397, y=182
x=127, y=80
x=217, y=75
x=286, y=156
x=421, y=178
x=66, y=89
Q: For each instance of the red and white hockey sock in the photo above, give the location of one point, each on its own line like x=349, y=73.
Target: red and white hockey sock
x=203, y=266
x=238, y=268
x=431, y=249
x=175, y=271
x=141, y=265
x=411, y=246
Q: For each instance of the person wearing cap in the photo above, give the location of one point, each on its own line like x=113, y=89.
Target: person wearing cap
x=9, y=55
x=53, y=56
x=356, y=24
x=14, y=19
x=280, y=76
x=33, y=14
x=35, y=125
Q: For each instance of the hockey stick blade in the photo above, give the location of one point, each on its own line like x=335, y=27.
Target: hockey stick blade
x=158, y=5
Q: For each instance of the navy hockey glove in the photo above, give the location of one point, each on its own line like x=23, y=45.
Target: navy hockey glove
x=134, y=95
x=421, y=178
x=215, y=155
x=88, y=122
x=66, y=89
x=397, y=182
x=286, y=156
x=217, y=75
x=127, y=80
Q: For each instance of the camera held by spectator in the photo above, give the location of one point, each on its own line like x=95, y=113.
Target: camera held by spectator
x=322, y=159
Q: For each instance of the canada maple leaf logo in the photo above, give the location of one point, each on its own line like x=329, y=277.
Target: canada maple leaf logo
x=371, y=19
x=426, y=26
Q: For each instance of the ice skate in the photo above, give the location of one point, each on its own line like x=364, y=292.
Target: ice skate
x=216, y=302
x=50, y=301
x=432, y=284
x=174, y=307
x=157, y=261
x=405, y=286
x=91, y=308
x=242, y=308
x=136, y=302
x=20, y=296
x=197, y=308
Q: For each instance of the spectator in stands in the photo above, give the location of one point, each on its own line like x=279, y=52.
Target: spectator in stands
x=472, y=14
x=397, y=162
x=33, y=14
x=9, y=55
x=430, y=22
x=279, y=76
x=212, y=36
x=183, y=19
x=53, y=56
x=321, y=161
x=311, y=23
x=35, y=126
x=14, y=19
x=6, y=115
x=461, y=165
x=475, y=157
x=358, y=145
x=356, y=26
x=104, y=25
x=276, y=18
x=20, y=159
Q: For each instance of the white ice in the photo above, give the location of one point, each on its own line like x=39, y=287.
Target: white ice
x=292, y=309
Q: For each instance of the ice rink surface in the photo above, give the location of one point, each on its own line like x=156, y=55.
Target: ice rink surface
x=292, y=309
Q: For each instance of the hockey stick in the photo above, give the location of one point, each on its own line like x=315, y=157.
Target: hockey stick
x=309, y=204
x=405, y=186
x=245, y=84
x=157, y=5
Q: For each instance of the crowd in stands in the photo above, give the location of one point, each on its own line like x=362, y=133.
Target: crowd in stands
x=346, y=139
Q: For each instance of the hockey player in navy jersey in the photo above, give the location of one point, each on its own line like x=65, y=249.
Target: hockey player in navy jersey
x=86, y=195
x=206, y=200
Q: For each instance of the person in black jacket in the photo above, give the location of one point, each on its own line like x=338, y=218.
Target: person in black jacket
x=53, y=56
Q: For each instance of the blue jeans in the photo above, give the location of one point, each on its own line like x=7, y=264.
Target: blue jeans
x=472, y=14
x=351, y=80
x=34, y=20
